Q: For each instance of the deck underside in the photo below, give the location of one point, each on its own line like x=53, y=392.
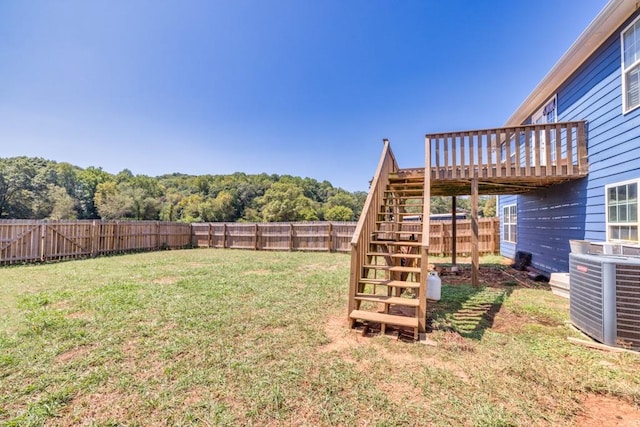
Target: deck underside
x=491, y=181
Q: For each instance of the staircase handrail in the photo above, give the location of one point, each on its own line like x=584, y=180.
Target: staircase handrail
x=386, y=165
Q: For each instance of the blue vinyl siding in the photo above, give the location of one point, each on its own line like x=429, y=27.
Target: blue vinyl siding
x=549, y=218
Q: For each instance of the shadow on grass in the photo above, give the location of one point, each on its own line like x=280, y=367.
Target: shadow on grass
x=465, y=309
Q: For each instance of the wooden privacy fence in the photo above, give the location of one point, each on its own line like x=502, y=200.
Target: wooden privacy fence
x=33, y=241
x=442, y=235
x=335, y=236
x=289, y=236
x=24, y=241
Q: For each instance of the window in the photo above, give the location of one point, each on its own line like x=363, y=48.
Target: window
x=631, y=67
x=509, y=223
x=622, y=211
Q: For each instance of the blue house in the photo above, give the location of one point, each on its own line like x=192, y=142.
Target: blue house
x=598, y=81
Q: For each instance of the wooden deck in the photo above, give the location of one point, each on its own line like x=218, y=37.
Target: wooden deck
x=504, y=161
x=457, y=182
x=491, y=161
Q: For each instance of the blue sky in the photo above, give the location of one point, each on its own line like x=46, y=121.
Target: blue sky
x=306, y=88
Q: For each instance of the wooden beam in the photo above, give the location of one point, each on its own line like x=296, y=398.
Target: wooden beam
x=474, y=232
x=426, y=229
x=454, y=231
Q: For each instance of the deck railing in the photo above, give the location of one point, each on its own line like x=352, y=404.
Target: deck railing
x=529, y=151
x=367, y=222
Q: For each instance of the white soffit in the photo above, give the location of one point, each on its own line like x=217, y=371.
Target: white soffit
x=608, y=20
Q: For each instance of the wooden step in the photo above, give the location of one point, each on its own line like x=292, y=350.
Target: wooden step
x=390, y=283
x=401, y=232
x=404, y=189
x=396, y=242
x=392, y=223
x=390, y=319
x=409, y=302
x=401, y=255
x=403, y=269
x=380, y=254
x=376, y=266
x=405, y=205
x=394, y=255
x=370, y=281
x=405, y=182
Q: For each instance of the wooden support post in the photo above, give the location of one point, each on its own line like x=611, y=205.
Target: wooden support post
x=583, y=166
x=474, y=232
x=353, y=283
x=330, y=240
x=454, y=231
x=426, y=229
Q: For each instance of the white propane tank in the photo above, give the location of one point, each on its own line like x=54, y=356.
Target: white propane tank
x=433, y=286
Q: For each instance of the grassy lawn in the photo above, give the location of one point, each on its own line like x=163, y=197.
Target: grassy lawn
x=229, y=337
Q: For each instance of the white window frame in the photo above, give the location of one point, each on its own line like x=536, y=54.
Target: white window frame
x=627, y=69
x=631, y=224
x=510, y=219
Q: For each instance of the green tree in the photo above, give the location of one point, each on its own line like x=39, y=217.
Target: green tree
x=488, y=210
x=338, y=213
x=89, y=180
x=111, y=202
x=63, y=206
x=17, y=187
x=285, y=202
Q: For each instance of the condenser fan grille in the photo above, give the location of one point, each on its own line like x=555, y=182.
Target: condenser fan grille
x=585, y=304
x=628, y=305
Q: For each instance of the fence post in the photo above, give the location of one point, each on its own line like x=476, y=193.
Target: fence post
x=290, y=236
x=256, y=238
x=210, y=236
x=224, y=235
x=116, y=236
x=330, y=240
x=43, y=235
x=95, y=238
x=495, y=235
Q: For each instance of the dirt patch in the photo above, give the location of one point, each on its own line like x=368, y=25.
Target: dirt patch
x=169, y=280
x=73, y=354
x=506, y=321
x=342, y=338
x=97, y=408
x=493, y=276
x=262, y=272
x=402, y=393
x=194, y=397
x=605, y=411
x=80, y=315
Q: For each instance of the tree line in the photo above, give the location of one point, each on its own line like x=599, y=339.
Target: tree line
x=36, y=188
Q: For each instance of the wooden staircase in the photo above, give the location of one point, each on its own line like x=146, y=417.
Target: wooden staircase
x=388, y=288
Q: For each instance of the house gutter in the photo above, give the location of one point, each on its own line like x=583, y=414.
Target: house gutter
x=614, y=14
